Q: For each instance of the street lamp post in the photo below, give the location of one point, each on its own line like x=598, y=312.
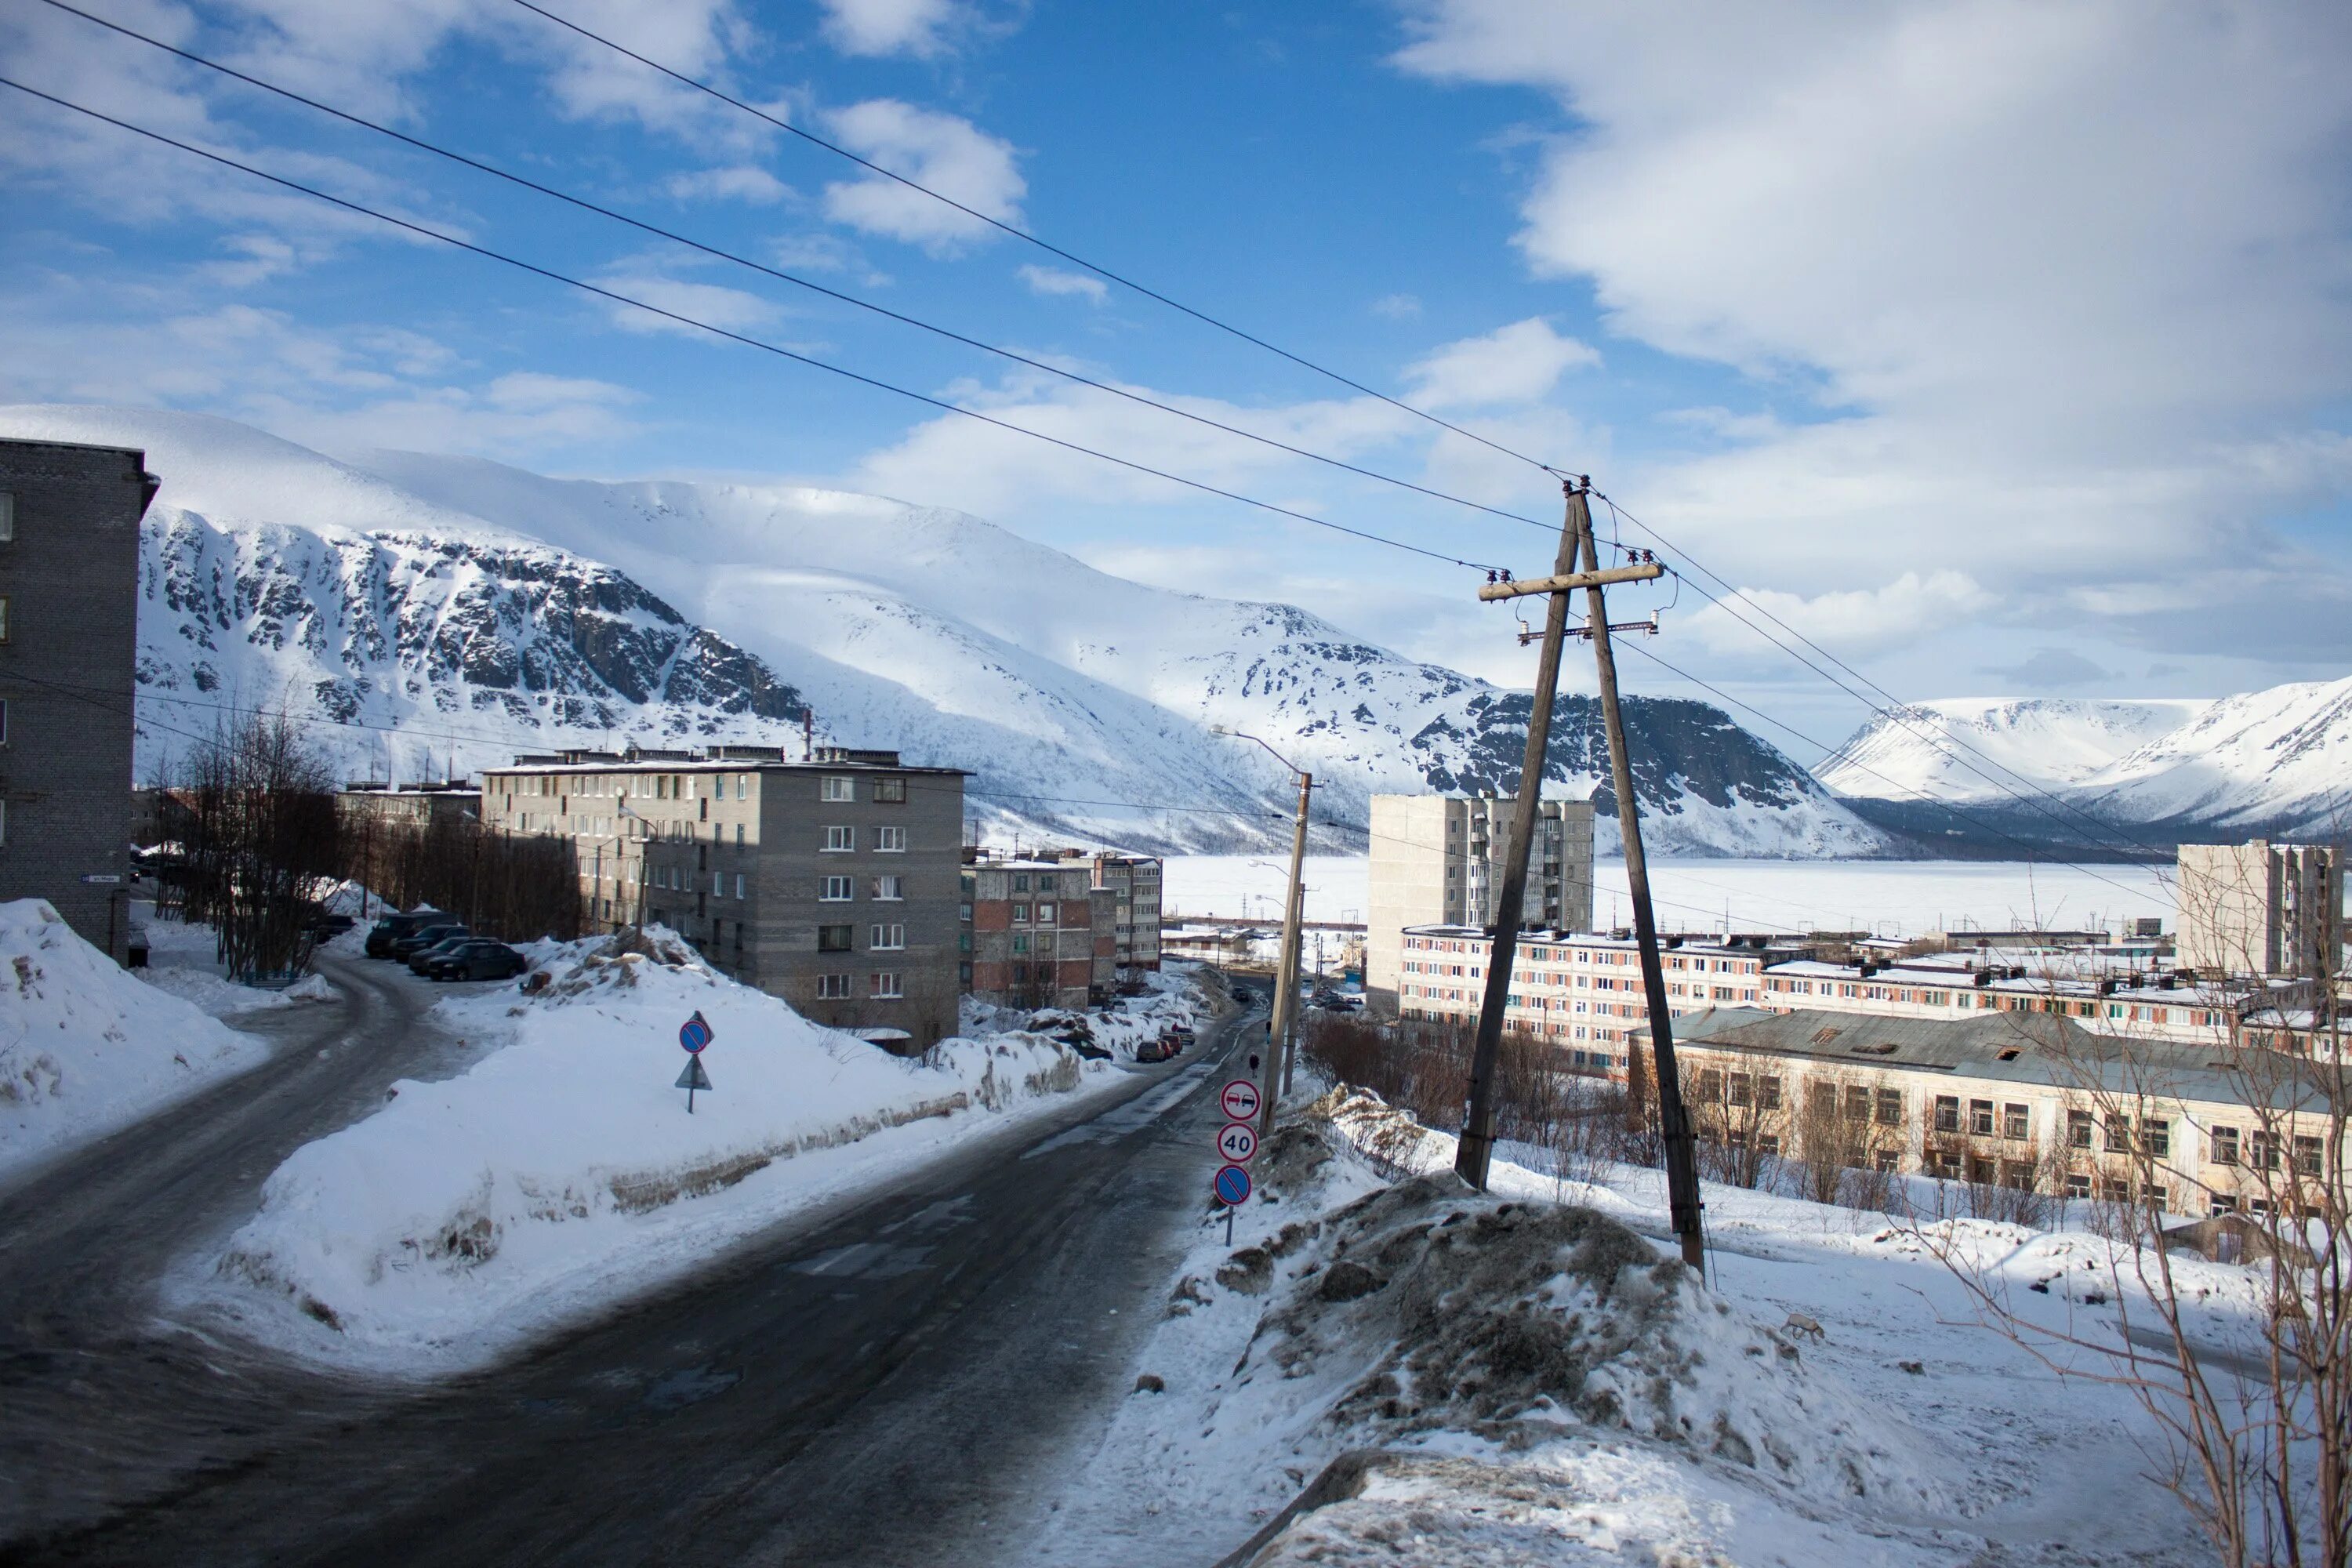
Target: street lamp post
x=1283, y=1025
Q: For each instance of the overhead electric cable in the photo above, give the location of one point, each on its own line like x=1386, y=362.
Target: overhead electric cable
x=1098, y=268
x=784, y=276
x=618, y=298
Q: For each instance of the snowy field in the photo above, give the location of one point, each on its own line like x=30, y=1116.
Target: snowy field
x=1893, y=898
x=1594, y=1407
x=86, y=1046
x=183, y=959
x=564, y=1171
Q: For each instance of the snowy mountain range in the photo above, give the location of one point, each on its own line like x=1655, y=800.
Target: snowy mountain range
x=2275, y=761
x=429, y=613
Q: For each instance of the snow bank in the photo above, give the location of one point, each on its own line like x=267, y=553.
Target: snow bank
x=184, y=958
x=563, y=1170
x=1171, y=997
x=88, y=1046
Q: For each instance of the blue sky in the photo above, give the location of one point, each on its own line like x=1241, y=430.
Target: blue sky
x=1957, y=333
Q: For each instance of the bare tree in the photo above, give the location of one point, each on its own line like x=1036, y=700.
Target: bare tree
x=1741, y=1117
x=257, y=816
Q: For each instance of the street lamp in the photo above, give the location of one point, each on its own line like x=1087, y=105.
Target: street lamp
x=1283, y=1025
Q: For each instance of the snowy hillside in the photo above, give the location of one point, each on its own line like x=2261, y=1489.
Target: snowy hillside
x=2276, y=761
x=481, y=609
x=1947, y=748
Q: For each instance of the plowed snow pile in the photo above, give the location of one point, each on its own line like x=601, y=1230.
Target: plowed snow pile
x=85, y=1045
x=563, y=1170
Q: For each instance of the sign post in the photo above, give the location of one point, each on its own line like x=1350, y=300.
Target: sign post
x=1232, y=1186
x=693, y=1034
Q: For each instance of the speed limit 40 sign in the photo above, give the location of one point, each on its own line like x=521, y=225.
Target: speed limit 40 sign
x=1237, y=1141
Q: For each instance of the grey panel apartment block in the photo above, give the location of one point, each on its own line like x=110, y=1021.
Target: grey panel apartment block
x=832, y=883
x=69, y=661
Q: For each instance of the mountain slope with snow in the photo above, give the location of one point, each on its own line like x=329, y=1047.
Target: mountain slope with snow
x=477, y=609
x=2277, y=761
x=1955, y=748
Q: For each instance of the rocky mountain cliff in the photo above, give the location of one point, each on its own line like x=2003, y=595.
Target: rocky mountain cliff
x=424, y=607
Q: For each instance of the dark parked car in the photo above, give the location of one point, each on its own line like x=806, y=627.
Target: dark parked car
x=325, y=926
x=477, y=958
x=422, y=959
x=392, y=927
x=407, y=946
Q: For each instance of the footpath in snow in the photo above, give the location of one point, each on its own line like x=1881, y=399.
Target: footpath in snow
x=87, y=1046
x=564, y=1171
x=1386, y=1368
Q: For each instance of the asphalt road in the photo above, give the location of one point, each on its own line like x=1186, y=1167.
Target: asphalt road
x=888, y=1379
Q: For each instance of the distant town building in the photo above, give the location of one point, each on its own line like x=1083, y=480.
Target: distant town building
x=69, y=667
x=1038, y=933
x=2260, y=907
x=832, y=883
x=359, y=806
x=1439, y=859
x=1134, y=881
x=1579, y=993
x=2105, y=993
x=2027, y=1100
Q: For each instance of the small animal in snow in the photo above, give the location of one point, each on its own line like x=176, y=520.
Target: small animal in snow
x=1799, y=1323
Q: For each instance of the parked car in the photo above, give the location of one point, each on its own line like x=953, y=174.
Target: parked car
x=1157, y=1049
x=1183, y=1033
x=476, y=958
x=438, y=950
x=325, y=926
x=422, y=937
x=392, y=927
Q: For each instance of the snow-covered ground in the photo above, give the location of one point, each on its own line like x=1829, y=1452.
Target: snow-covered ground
x=1893, y=898
x=85, y=1045
x=1520, y=1380
x=1171, y=997
x=183, y=959
x=563, y=1170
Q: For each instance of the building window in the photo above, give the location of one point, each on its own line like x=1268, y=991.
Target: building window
x=1021, y=881
x=1020, y=941
x=2159, y=1137
x=739, y=884
x=1767, y=1094
x=886, y=987
x=893, y=890
x=4, y=618
x=1980, y=1118
x=1857, y=1103
x=835, y=939
x=1021, y=912
x=2016, y=1123
x=1890, y=1108
x=1948, y=1113
x=890, y=840
x=2225, y=1145
x=837, y=788
x=2078, y=1130
x=839, y=841
x=889, y=939
x=833, y=987
x=838, y=890
x=8, y=518
x=889, y=792
x=739, y=836
x=2308, y=1153
x=2261, y=1150
x=2118, y=1135
x=1045, y=914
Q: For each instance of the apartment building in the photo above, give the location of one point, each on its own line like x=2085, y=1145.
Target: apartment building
x=1038, y=933
x=1583, y=992
x=2121, y=1001
x=1439, y=860
x=1133, y=881
x=359, y=806
x=2261, y=908
x=2030, y=1101
x=833, y=883
x=69, y=521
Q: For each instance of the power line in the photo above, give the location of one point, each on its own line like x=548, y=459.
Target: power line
x=1096, y=267
x=618, y=298
x=782, y=274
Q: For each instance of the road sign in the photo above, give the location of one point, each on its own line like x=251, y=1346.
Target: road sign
x=1239, y=1100
x=694, y=1033
x=1233, y=1185
x=101, y=878
x=1238, y=1142
x=693, y=1077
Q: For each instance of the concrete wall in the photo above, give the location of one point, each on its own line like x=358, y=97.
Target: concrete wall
x=71, y=575
x=2260, y=907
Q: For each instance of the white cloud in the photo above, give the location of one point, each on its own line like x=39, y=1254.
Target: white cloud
x=1397, y=307
x=1853, y=623
x=1518, y=364
x=736, y=183
x=1052, y=280
x=942, y=151
x=2074, y=333
x=709, y=304
x=918, y=27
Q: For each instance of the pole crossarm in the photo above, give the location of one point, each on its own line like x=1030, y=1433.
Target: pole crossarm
x=1571, y=579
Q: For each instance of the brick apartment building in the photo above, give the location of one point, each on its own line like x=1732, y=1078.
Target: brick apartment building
x=1039, y=933
x=832, y=883
x=69, y=521
x=1134, y=881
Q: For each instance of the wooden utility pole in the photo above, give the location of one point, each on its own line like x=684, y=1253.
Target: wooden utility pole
x=1477, y=1145
x=1284, y=1021
x=1579, y=546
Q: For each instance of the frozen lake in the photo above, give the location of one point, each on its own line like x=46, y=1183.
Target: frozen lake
x=1893, y=898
